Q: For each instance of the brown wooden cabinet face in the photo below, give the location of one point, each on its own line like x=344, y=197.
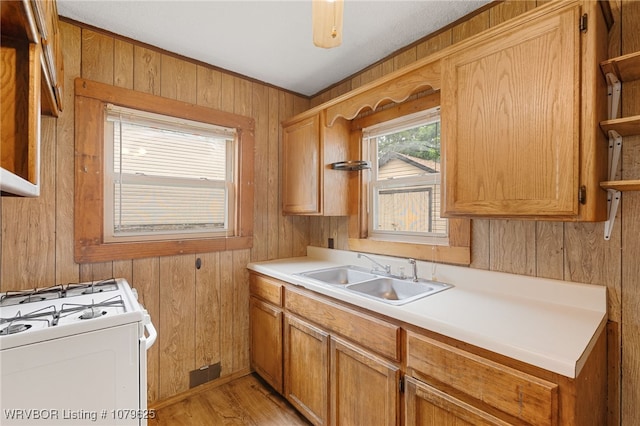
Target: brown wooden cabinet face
x=364, y=388
x=428, y=406
x=510, y=121
x=528, y=398
x=310, y=186
x=266, y=341
x=307, y=369
x=301, y=175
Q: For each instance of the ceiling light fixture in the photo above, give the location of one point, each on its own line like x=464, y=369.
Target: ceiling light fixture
x=327, y=23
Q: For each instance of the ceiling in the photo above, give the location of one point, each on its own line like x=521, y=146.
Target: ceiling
x=271, y=40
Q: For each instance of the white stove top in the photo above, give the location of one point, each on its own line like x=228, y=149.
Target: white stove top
x=32, y=316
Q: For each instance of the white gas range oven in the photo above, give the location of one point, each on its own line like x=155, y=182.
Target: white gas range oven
x=74, y=354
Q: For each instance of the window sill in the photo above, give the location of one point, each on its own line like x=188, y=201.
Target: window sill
x=103, y=252
x=427, y=252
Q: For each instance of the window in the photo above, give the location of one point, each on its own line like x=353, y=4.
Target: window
x=158, y=177
x=399, y=208
x=404, y=201
x=167, y=178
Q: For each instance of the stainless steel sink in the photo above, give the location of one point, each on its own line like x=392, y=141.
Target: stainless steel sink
x=341, y=275
x=396, y=291
x=391, y=290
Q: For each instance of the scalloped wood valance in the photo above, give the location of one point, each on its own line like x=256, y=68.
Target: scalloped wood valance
x=396, y=89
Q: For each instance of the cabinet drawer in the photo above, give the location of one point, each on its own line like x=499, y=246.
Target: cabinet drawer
x=369, y=332
x=267, y=289
x=521, y=395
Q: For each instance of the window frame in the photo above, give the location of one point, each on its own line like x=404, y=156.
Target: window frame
x=89, y=242
x=111, y=177
x=458, y=250
x=378, y=186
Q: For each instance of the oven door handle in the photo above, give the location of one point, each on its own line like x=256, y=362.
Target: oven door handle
x=151, y=331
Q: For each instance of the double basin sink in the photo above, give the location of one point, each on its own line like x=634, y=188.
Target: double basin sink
x=391, y=290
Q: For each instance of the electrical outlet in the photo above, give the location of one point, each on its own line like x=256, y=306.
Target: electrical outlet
x=330, y=243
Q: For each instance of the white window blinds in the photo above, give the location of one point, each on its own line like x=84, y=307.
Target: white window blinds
x=167, y=176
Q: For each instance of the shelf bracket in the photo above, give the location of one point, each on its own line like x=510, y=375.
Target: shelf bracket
x=613, y=92
x=613, y=201
x=615, y=148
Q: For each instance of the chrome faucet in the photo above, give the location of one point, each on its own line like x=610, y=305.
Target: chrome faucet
x=386, y=268
x=414, y=265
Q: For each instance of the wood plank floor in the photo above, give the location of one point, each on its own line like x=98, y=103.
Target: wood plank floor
x=244, y=401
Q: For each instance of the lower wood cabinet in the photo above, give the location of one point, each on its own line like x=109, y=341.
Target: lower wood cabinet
x=448, y=382
x=333, y=381
x=426, y=405
x=266, y=341
x=339, y=365
x=364, y=388
x=266, y=328
x=306, y=360
x=488, y=384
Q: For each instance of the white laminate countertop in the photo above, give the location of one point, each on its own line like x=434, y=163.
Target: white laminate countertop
x=547, y=323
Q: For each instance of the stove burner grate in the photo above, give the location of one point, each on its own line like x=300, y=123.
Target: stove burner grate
x=57, y=292
x=90, y=311
x=28, y=296
x=14, y=329
x=92, y=287
x=20, y=323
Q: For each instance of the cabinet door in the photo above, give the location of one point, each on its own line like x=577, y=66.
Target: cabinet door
x=301, y=174
x=20, y=119
x=46, y=18
x=364, y=388
x=266, y=341
x=428, y=406
x=510, y=121
x=306, y=380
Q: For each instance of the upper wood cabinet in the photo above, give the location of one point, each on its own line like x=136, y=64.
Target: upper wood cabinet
x=46, y=17
x=31, y=79
x=521, y=105
x=20, y=129
x=36, y=22
x=309, y=147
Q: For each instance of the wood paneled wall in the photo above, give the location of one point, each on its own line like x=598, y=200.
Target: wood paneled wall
x=566, y=251
x=201, y=314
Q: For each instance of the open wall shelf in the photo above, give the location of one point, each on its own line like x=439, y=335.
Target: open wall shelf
x=617, y=70
x=622, y=185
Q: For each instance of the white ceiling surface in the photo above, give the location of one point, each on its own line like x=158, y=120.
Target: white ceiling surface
x=271, y=40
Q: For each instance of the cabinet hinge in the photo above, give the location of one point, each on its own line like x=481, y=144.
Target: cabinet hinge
x=583, y=23
x=582, y=195
x=401, y=385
